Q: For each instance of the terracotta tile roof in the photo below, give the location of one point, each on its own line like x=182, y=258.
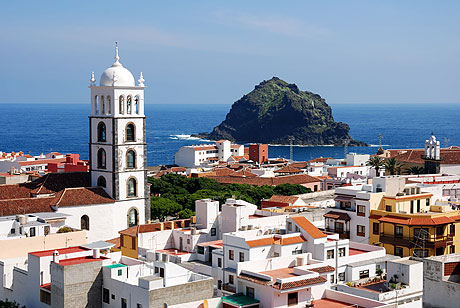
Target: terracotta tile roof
x=283, y=199
x=290, y=240
x=300, y=165
x=374, y=216
x=26, y=205
x=273, y=181
x=178, y=169
x=322, y=269
x=417, y=220
x=337, y=215
x=243, y=174
x=319, y=160
x=223, y=171
x=260, y=242
x=14, y=191
x=288, y=169
x=255, y=279
x=235, y=146
x=299, y=283
x=308, y=227
x=54, y=182
x=82, y=196
x=448, y=156
x=115, y=241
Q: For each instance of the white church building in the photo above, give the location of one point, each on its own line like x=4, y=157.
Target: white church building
x=114, y=194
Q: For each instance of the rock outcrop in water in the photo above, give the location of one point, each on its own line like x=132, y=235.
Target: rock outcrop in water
x=277, y=112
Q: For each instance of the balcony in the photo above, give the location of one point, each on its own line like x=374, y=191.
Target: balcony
x=229, y=288
x=437, y=241
x=342, y=234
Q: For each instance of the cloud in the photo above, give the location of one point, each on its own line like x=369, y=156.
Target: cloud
x=286, y=26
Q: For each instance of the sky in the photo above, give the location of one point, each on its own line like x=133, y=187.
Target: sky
x=213, y=52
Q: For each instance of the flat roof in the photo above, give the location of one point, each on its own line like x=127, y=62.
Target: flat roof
x=354, y=251
x=331, y=303
x=80, y=260
x=374, y=260
x=286, y=272
x=98, y=245
x=407, y=261
x=62, y=251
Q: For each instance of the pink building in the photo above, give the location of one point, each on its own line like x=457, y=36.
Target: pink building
x=72, y=164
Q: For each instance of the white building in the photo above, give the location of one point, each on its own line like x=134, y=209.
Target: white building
x=206, y=154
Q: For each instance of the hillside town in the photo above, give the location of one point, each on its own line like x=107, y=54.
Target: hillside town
x=226, y=226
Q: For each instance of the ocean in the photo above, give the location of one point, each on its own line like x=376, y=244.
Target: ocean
x=41, y=128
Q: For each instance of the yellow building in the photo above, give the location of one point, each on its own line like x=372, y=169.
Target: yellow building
x=409, y=225
x=129, y=238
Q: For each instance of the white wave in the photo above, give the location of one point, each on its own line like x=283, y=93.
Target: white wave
x=376, y=145
x=187, y=137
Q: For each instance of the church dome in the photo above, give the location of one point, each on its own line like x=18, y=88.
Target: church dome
x=117, y=75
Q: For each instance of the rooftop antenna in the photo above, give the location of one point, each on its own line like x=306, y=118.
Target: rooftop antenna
x=345, y=148
x=291, y=152
x=380, y=140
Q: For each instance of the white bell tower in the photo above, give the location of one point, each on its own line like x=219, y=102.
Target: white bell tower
x=118, y=153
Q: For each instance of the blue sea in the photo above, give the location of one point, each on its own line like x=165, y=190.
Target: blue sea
x=40, y=128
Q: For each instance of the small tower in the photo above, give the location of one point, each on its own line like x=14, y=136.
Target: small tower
x=118, y=154
x=432, y=156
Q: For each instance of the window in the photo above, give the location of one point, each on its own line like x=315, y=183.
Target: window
x=132, y=187
x=13, y=231
x=421, y=233
x=138, y=306
x=84, y=222
x=361, y=210
x=439, y=251
x=289, y=225
x=136, y=104
x=421, y=253
x=452, y=249
x=121, y=102
x=418, y=206
x=213, y=232
x=113, y=296
x=32, y=231
x=427, y=202
x=241, y=256
x=133, y=242
x=132, y=217
x=101, y=159
x=230, y=255
x=124, y=303
x=101, y=132
x=342, y=252
x=130, y=132
x=250, y=292
x=297, y=251
x=101, y=182
x=338, y=227
x=330, y=254
x=398, y=231
x=375, y=228
x=412, y=206
x=388, y=208
x=120, y=272
x=188, y=241
x=361, y=230
x=231, y=279
x=162, y=272
x=200, y=250
x=129, y=104
x=102, y=105
x=293, y=299
x=332, y=280
x=342, y=276
x=131, y=159
x=106, y=296
x=440, y=230
x=156, y=269
x=219, y=262
x=45, y=297
x=109, y=105
x=364, y=274
x=96, y=104
x=398, y=251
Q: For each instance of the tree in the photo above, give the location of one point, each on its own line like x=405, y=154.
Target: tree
x=392, y=166
x=7, y=304
x=185, y=214
x=415, y=170
x=376, y=163
x=161, y=208
x=291, y=189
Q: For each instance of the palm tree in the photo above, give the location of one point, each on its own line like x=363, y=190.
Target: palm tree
x=415, y=170
x=392, y=166
x=376, y=163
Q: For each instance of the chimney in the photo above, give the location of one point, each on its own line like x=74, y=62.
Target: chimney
x=56, y=256
x=96, y=253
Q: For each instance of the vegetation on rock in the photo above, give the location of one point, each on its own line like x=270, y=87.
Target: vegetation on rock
x=277, y=112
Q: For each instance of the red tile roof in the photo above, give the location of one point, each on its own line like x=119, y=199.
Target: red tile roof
x=322, y=269
x=80, y=260
x=288, y=169
x=223, y=171
x=418, y=220
x=290, y=240
x=273, y=181
x=299, y=283
x=260, y=242
x=449, y=156
x=283, y=199
x=204, y=148
x=83, y=196
x=243, y=174
x=62, y=251
x=308, y=227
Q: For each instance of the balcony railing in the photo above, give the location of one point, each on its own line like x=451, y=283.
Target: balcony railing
x=229, y=288
x=342, y=234
x=410, y=242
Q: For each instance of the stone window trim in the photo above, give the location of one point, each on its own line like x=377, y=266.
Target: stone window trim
x=135, y=158
x=135, y=187
x=128, y=213
x=134, y=132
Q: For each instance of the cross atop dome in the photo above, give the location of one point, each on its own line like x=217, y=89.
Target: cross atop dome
x=117, y=58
